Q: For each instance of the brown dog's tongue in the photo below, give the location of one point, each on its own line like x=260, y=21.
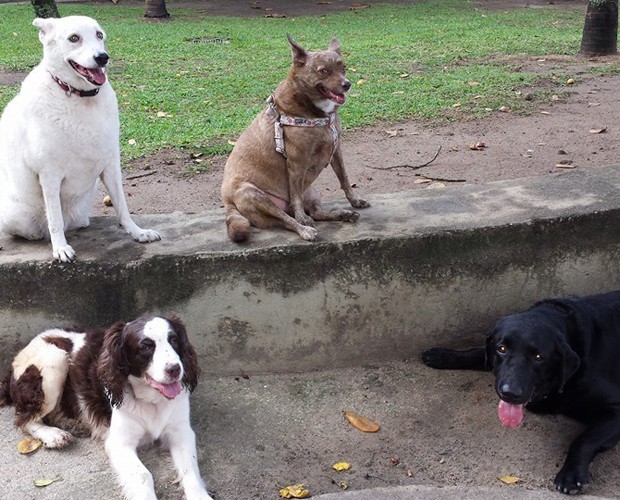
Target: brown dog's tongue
x=510, y=415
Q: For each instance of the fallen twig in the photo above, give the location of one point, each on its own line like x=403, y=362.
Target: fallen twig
x=439, y=179
x=413, y=167
x=143, y=174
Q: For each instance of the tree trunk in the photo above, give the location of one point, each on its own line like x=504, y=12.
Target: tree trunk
x=600, y=30
x=45, y=8
x=155, y=8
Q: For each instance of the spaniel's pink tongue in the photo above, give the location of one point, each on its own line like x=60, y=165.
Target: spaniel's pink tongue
x=169, y=391
x=510, y=415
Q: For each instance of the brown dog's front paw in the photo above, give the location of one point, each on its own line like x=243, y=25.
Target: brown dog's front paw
x=359, y=203
x=307, y=233
x=305, y=220
x=349, y=216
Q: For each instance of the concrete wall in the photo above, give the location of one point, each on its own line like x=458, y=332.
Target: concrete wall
x=418, y=269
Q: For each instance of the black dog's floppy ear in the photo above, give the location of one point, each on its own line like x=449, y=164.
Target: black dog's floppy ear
x=570, y=360
x=489, y=350
x=299, y=53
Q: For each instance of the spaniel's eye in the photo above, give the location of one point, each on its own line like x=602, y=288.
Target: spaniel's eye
x=74, y=38
x=173, y=341
x=147, y=345
x=502, y=349
x=100, y=35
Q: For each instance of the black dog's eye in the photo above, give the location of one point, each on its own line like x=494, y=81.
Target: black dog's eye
x=100, y=35
x=501, y=349
x=74, y=38
x=538, y=357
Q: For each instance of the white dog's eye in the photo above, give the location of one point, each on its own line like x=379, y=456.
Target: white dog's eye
x=74, y=38
x=100, y=35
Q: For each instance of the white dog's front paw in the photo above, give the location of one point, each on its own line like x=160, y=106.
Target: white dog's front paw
x=146, y=236
x=63, y=253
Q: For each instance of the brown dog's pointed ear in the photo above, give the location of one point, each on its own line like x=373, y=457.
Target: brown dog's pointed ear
x=299, y=53
x=334, y=46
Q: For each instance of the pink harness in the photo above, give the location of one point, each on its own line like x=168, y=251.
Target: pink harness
x=291, y=121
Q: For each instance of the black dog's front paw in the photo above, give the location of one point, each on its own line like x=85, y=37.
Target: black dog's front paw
x=437, y=357
x=571, y=479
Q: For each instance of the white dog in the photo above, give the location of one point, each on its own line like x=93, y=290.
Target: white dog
x=58, y=136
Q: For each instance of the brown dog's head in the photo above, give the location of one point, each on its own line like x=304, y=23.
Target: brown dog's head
x=321, y=74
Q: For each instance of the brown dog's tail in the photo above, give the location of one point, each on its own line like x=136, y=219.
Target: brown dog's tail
x=238, y=225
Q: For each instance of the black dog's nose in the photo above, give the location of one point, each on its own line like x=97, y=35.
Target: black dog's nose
x=511, y=394
x=346, y=85
x=102, y=59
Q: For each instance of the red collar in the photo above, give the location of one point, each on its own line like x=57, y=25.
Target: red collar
x=69, y=90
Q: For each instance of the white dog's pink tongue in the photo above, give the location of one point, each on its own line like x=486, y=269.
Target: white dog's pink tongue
x=97, y=76
x=510, y=415
x=169, y=391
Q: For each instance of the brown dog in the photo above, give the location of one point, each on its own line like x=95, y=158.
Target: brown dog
x=268, y=175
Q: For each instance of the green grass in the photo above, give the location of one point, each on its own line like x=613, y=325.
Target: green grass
x=210, y=91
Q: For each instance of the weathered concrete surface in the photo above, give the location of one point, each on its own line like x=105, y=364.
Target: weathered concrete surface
x=432, y=267
x=416, y=269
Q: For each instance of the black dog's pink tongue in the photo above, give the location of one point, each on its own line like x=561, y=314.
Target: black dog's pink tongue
x=169, y=391
x=510, y=415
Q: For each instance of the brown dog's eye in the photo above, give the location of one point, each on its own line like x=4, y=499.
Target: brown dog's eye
x=501, y=349
x=74, y=38
x=324, y=71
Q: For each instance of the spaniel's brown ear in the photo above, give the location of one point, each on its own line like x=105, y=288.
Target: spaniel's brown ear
x=186, y=353
x=112, y=368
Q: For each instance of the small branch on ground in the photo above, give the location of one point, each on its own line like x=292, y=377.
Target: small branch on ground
x=413, y=167
x=138, y=176
x=439, y=179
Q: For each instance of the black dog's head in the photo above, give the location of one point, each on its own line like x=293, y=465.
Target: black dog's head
x=530, y=358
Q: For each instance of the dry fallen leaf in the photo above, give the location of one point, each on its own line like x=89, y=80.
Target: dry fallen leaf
x=361, y=423
x=232, y=143
x=28, y=445
x=570, y=81
x=42, y=483
x=294, y=491
x=107, y=201
x=422, y=181
x=343, y=485
x=509, y=479
x=131, y=142
x=477, y=146
x=392, y=133
x=598, y=130
x=340, y=466
x=361, y=81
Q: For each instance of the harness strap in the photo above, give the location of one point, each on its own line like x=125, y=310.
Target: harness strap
x=292, y=121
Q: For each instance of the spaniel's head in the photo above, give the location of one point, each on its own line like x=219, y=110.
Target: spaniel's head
x=154, y=349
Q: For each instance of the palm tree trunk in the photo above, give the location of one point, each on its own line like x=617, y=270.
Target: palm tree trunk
x=155, y=8
x=45, y=8
x=600, y=30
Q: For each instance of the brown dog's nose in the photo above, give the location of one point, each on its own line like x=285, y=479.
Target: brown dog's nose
x=346, y=85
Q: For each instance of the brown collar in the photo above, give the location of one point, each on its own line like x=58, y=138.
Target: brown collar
x=69, y=90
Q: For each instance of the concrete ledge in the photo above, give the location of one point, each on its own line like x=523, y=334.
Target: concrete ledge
x=417, y=269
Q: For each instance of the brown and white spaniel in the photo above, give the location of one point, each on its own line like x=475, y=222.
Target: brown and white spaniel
x=128, y=385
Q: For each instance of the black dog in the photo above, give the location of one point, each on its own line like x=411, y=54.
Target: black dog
x=560, y=356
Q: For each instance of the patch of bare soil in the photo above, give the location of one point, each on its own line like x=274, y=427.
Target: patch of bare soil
x=566, y=126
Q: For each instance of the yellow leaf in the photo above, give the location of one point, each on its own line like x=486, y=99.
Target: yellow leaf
x=361, y=81
x=28, y=445
x=404, y=75
x=42, y=483
x=294, y=491
x=509, y=479
x=107, y=201
x=361, y=423
x=131, y=142
x=341, y=466
x=570, y=81
x=232, y=143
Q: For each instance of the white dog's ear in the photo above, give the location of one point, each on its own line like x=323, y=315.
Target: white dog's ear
x=334, y=46
x=46, y=26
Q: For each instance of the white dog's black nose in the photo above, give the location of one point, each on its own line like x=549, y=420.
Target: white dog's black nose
x=102, y=59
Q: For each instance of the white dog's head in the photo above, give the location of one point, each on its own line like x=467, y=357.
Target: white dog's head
x=74, y=50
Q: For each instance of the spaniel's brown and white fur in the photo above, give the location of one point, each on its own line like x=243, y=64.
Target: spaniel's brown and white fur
x=129, y=385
